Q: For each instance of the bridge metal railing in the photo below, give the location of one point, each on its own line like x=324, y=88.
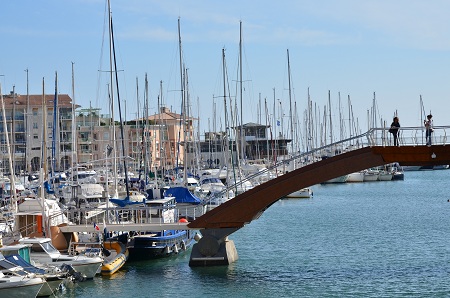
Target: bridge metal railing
x=407, y=136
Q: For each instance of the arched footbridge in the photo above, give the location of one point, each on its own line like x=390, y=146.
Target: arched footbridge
x=371, y=149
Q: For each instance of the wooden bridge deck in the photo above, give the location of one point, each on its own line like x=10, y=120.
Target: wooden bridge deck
x=251, y=204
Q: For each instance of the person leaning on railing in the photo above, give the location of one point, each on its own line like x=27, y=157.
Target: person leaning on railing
x=429, y=128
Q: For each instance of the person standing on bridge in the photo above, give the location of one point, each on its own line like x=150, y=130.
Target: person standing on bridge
x=429, y=128
x=395, y=125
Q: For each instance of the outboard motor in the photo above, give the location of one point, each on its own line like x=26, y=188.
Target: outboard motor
x=76, y=276
x=123, y=238
x=106, y=252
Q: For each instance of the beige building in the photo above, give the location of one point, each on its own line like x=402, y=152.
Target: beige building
x=31, y=132
x=156, y=142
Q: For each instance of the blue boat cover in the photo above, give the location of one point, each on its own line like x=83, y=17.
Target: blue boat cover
x=182, y=195
x=125, y=202
x=19, y=261
x=48, y=188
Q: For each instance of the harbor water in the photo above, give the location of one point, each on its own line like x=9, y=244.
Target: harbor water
x=371, y=239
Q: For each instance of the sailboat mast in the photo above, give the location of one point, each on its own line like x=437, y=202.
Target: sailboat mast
x=55, y=123
x=275, y=122
x=240, y=91
x=331, y=117
x=120, y=113
x=8, y=145
x=290, y=104
x=186, y=136
x=162, y=137
x=140, y=157
x=27, y=124
x=111, y=96
x=181, y=88
x=227, y=145
x=74, y=121
x=148, y=161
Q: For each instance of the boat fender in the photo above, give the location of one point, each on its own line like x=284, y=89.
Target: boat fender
x=167, y=250
x=197, y=237
x=175, y=248
x=183, y=245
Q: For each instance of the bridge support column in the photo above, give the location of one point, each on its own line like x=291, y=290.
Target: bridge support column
x=214, y=248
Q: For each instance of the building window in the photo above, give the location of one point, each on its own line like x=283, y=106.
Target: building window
x=84, y=136
x=85, y=149
x=35, y=137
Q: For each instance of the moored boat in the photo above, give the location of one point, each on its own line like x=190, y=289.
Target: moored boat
x=340, y=179
x=15, y=258
x=118, y=255
x=19, y=286
x=43, y=252
x=385, y=175
x=160, y=243
x=301, y=193
x=356, y=177
x=371, y=175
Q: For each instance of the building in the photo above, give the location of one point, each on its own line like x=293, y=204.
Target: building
x=32, y=133
x=156, y=142
x=255, y=144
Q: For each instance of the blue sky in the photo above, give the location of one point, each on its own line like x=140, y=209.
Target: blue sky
x=397, y=49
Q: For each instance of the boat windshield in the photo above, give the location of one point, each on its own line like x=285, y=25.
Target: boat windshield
x=49, y=248
x=211, y=180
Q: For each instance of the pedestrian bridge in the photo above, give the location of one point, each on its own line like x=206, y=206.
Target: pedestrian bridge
x=371, y=149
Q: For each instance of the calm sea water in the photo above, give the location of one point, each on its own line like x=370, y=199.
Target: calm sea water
x=373, y=239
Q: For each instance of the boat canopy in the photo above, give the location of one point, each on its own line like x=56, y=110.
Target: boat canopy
x=182, y=195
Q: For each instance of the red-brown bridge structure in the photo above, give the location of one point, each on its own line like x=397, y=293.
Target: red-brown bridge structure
x=368, y=150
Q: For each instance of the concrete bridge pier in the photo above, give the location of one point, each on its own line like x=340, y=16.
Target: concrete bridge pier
x=214, y=248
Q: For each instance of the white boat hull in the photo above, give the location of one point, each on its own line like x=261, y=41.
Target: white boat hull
x=356, y=177
x=371, y=176
x=341, y=179
x=385, y=176
x=302, y=193
x=21, y=287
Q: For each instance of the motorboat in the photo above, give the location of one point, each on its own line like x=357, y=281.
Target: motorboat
x=340, y=179
x=15, y=258
x=14, y=285
x=84, y=195
x=213, y=191
x=302, y=193
x=211, y=184
x=43, y=252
